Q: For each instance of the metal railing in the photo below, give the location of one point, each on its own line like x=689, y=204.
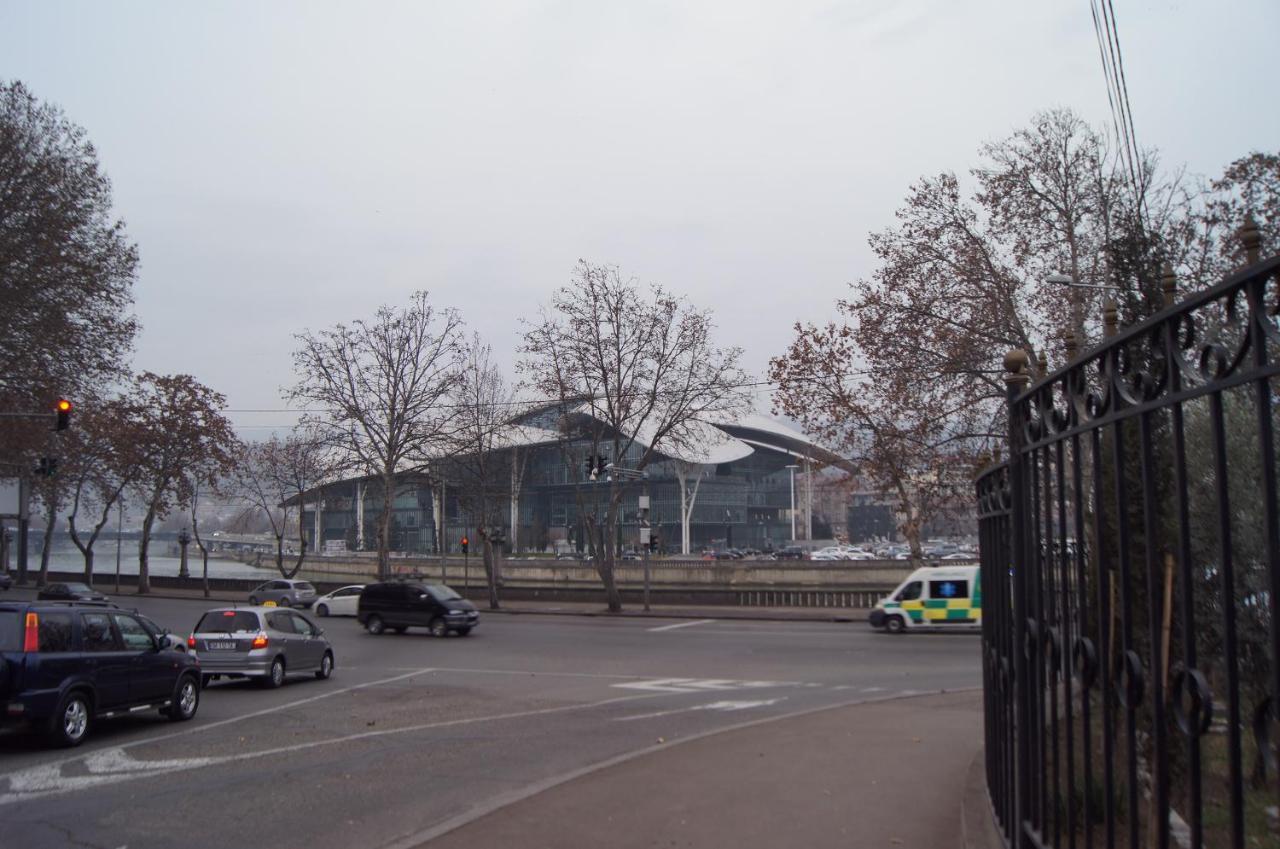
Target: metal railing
x=1130, y=548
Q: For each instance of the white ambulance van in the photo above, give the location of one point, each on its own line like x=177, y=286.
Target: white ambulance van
x=938, y=598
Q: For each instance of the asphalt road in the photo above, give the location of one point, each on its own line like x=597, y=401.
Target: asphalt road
x=413, y=732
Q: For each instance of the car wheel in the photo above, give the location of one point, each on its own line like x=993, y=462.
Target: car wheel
x=895, y=625
x=69, y=724
x=326, y=666
x=322, y=610
x=276, y=677
x=374, y=625
x=438, y=628
x=186, y=699
x=253, y=599
x=462, y=632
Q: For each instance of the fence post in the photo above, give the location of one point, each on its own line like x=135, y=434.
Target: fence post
x=1016, y=380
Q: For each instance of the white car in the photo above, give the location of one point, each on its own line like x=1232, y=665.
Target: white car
x=340, y=602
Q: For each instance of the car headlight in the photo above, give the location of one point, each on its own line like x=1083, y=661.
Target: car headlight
x=455, y=612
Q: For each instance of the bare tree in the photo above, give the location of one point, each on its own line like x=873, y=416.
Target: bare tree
x=632, y=369
x=183, y=440
x=272, y=475
x=482, y=447
x=383, y=385
x=105, y=466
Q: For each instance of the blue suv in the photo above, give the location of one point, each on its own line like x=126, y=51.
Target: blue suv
x=66, y=665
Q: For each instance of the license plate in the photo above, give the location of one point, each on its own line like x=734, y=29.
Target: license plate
x=221, y=644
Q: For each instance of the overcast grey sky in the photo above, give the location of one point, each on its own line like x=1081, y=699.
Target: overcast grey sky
x=290, y=165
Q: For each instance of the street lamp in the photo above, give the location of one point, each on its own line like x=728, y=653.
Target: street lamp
x=1068, y=280
x=792, y=468
x=184, y=539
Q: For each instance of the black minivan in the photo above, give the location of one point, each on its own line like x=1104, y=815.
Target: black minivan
x=400, y=605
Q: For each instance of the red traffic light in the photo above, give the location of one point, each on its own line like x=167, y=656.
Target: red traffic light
x=62, y=409
x=465, y=543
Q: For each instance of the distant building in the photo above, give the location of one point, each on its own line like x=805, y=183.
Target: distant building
x=740, y=469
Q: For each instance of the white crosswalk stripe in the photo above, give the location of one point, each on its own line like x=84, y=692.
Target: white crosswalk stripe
x=701, y=685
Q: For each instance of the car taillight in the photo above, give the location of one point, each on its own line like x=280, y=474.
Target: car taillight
x=260, y=641
x=31, y=637
x=191, y=641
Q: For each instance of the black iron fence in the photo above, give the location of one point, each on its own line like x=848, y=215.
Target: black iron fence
x=1131, y=562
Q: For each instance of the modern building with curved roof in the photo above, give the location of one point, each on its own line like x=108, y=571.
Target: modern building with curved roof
x=733, y=482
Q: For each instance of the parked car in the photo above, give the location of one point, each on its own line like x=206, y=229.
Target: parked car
x=340, y=602
x=790, y=552
x=6, y=581
x=400, y=605
x=65, y=666
x=267, y=644
x=285, y=593
x=69, y=592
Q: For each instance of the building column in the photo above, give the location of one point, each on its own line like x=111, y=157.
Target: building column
x=359, y=515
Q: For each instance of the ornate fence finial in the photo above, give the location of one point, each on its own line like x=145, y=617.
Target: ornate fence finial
x=1016, y=363
x=1251, y=238
x=1042, y=363
x=1169, y=285
x=1110, y=317
x=1072, y=344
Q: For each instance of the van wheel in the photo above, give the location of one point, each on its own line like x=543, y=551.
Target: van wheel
x=322, y=610
x=374, y=625
x=895, y=625
x=438, y=628
x=69, y=724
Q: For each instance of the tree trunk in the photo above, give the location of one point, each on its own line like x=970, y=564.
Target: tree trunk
x=144, y=574
x=384, y=527
x=50, y=517
x=605, y=559
x=88, y=565
x=491, y=569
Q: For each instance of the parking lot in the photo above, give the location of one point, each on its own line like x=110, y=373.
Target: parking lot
x=413, y=732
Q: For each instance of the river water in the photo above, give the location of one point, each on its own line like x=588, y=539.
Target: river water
x=67, y=558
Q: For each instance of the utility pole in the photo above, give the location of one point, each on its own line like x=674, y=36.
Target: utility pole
x=637, y=474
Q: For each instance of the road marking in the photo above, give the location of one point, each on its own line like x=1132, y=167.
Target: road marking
x=681, y=625
x=48, y=780
x=724, y=706
x=701, y=685
x=872, y=690
x=199, y=729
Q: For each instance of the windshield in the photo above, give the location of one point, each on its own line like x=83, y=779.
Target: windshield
x=228, y=621
x=442, y=593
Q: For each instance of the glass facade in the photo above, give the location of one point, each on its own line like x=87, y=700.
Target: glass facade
x=741, y=504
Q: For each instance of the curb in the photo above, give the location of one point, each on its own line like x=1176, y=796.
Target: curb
x=978, y=829
x=853, y=616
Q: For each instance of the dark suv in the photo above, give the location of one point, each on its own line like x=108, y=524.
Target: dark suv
x=66, y=665
x=406, y=604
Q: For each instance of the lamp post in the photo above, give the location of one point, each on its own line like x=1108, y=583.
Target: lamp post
x=119, y=530
x=792, y=468
x=184, y=539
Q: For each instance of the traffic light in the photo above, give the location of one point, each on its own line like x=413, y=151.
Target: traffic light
x=465, y=542
x=63, y=411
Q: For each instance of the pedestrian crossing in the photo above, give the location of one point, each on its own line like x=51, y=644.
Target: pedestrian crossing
x=701, y=685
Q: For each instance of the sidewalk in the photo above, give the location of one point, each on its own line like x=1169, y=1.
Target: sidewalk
x=878, y=774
